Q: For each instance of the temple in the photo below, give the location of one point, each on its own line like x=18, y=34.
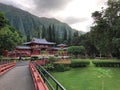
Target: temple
x=39, y=46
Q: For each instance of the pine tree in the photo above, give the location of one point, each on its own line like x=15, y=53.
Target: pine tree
x=43, y=32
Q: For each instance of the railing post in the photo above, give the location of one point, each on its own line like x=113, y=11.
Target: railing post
x=44, y=77
x=56, y=87
x=0, y=61
x=46, y=74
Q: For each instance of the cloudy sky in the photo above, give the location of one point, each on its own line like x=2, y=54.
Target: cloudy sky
x=76, y=13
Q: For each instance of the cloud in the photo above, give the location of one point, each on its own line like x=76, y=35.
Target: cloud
x=76, y=13
x=8, y=2
x=42, y=8
x=74, y=20
x=51, y=5
x=102, y=2
x=23, y=4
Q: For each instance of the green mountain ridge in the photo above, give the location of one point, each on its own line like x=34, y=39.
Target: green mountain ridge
x=41, y=27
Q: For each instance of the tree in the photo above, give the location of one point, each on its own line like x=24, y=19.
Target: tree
x=116, y=46
x=43, y=32
x=76, y=34
x=99, y=36
x=76, y=50
x=50, y=33
x=53, y=33
x=3, y=20
x=9, y=37
x=65, y=35
x=90, y=49
x=106, y=28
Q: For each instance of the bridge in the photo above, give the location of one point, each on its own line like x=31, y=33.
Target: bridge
x=24, y=75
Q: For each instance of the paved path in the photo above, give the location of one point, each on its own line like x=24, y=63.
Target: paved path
x=18, y=78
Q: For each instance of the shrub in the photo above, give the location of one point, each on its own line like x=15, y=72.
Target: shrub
x=76, y=50
x=52, y=59
x=56, y=55
x=34, y=58
x=79, y=63
x=61, y=67
x=106, y=63
x=49, y=67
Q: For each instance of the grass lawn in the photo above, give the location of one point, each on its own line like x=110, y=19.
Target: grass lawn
x=87, y=79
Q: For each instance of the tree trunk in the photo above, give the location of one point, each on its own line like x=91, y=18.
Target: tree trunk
x=94, y=55
x=100, y=54
x=86, y=55
x=110, y=54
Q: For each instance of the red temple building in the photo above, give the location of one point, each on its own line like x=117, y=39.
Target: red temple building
x=37, y=47
x=62, y=48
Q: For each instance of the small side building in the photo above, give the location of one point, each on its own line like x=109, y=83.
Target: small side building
x=61, y=49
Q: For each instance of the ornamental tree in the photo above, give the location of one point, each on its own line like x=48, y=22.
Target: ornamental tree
x=76, y=50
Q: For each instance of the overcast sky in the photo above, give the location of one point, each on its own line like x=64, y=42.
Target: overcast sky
x=76, y=13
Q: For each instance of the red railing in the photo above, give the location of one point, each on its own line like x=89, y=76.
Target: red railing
x=6, y=67
x=42, y=62
x=38, y=81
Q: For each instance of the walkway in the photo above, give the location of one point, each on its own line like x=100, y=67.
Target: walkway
x=18, y=78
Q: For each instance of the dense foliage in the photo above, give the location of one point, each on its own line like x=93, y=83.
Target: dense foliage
x=106, y=63
x=79, y=63
x=76, y=50
x=9, y=37
x=104, y=37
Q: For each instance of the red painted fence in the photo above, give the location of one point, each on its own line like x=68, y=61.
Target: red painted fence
x=6, y=67
x=38, y=81
x=42, y=62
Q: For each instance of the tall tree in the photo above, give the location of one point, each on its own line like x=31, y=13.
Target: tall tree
x=106, y=27
x=53, y=33
x=9, y=37
x=43, y=32
x=76, y=50
x=49, y=34
x=3, y=20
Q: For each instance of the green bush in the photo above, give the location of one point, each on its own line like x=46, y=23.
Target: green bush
x=76, y=50
x=34, y=58
x=61, y=67
x=106, y=63
x=79, y=63
x=56, y=55
x=52, y=59
x=49, y=67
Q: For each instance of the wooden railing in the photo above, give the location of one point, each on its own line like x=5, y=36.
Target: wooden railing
x=38, y=81
x=45, y=75
x=6, y=67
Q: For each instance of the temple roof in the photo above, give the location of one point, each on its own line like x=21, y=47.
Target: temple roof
x=57, y=48
x=61, y=45
x=23, y=47
x=39, y=41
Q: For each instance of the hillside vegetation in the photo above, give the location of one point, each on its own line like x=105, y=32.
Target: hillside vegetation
x=32, y=26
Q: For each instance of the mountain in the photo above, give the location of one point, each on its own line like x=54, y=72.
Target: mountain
x=32, y=26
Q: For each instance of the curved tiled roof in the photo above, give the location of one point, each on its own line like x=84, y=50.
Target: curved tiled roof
x=39, y=41
x=23, y=47
x=61, y=45
x=57, y=48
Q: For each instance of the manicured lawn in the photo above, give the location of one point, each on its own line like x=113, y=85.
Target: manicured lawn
x=87, y=79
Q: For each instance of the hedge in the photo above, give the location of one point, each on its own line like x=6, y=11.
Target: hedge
x=106, y=63
x=61, y=67
x=79, y=63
